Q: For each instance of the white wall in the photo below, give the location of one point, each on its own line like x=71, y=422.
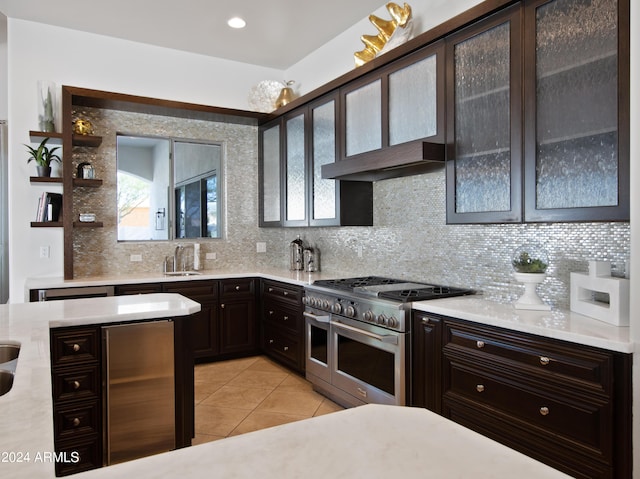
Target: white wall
x=336, y=57
x=68, y=57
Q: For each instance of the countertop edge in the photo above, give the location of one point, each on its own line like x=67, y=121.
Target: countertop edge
x=556, y=324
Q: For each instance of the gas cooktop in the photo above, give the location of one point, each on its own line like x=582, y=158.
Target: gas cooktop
x=390, y=288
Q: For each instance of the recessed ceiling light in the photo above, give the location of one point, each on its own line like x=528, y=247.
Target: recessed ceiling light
x=236, y=22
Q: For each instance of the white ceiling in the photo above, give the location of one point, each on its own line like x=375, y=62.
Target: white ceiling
x=278, y=34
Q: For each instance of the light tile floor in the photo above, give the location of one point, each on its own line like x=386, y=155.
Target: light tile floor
x=244, y=395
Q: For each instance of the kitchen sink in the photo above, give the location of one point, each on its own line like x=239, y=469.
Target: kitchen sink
x=182, y=273
x=6, y=381
x=8, y=352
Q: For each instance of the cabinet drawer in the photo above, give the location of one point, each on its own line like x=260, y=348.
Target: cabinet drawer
x=79, y=455
x=206, y=290
x=283, y=292
x=576, y=419
x=282, y=316
x=281, y=345
x=533, y=442
x=237, y=288
x=77, y=420
x=76, y=383
x=564, y=362
x=70, y=346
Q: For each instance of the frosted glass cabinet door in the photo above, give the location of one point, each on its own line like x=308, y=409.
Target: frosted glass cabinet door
x=323, y=120
x=484, y=128
x=576, y=137
x=364, y=118
x=413, y=102
x=296, y=204
x=271, y=175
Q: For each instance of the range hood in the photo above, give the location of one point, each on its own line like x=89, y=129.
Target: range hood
x=412, y=158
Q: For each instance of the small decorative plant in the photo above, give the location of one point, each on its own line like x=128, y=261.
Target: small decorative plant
x=526, y=263
x=43, y=156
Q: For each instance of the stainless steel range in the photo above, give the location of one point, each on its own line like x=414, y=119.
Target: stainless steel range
x=357, y=336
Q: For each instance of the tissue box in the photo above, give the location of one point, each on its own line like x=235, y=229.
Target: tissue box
x=599, y=280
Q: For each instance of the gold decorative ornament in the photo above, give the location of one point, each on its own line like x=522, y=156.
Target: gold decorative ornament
x=389, y=35
x=82, y=127
x=286, y=94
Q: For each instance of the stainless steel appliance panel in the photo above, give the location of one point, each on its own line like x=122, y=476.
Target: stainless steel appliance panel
x=317, y=355
x=139, y=390
x=368, y=363
x=56, y=294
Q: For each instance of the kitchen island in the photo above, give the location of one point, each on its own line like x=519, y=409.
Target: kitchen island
x=26, y=411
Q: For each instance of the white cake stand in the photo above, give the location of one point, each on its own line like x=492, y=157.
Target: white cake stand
x=530, y=299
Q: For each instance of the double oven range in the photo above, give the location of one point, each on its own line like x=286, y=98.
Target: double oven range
x=358, y=336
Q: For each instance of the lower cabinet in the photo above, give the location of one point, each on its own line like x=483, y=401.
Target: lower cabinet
x=226, y=324
x=77, y=398
x=238, y=316
x=426, y=374
x=78, y=395
x=564, y=404
x=282, y=323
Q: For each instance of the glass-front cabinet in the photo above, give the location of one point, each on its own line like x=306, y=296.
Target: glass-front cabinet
x=293, y=151
x=270, y=174
x=392, y=118
x=575, y=144
x=484, y=128
x=295, y=170
x=538, y=129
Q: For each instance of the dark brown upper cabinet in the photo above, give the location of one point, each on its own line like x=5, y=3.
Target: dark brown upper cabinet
x=538, y=114
x=576, y=94
x=484, y=126
x=392, y=120
x=293, y=192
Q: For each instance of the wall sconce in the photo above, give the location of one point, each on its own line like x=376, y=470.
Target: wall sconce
x=160, y=215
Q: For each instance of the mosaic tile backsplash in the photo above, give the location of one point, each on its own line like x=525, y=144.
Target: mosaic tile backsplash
x=410, y=238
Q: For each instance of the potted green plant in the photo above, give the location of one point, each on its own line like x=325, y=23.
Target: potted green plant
x=530, y=263
x=43, y=156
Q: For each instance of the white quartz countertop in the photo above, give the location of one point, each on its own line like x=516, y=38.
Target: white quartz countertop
x=300, y=278
x=372, y=441
x=369, y=441
x=26, y=411
x=557, y=324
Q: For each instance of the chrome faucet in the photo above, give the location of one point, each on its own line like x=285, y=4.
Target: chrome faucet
x=178, y=255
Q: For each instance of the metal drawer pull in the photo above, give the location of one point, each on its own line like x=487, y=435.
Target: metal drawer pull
x=270, y=313
x=544, y=360
x=222, y=305
x=271, y=290
x=286, y=348
x=480, y=388
x=76, y=347
x=76, y=385
x=237, y=288
x=480, y=344
x=271, y=341
x=76, y=422
x=426, y=320
x=285, y=317
x=544, y=410
x=286, y=293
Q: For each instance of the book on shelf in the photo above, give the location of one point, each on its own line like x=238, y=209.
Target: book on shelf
x=49, y=207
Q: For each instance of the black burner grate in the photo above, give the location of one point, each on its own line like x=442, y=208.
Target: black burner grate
x=403, y=295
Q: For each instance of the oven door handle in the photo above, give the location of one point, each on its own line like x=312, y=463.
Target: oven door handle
x=314, y=317
x=387, y=338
